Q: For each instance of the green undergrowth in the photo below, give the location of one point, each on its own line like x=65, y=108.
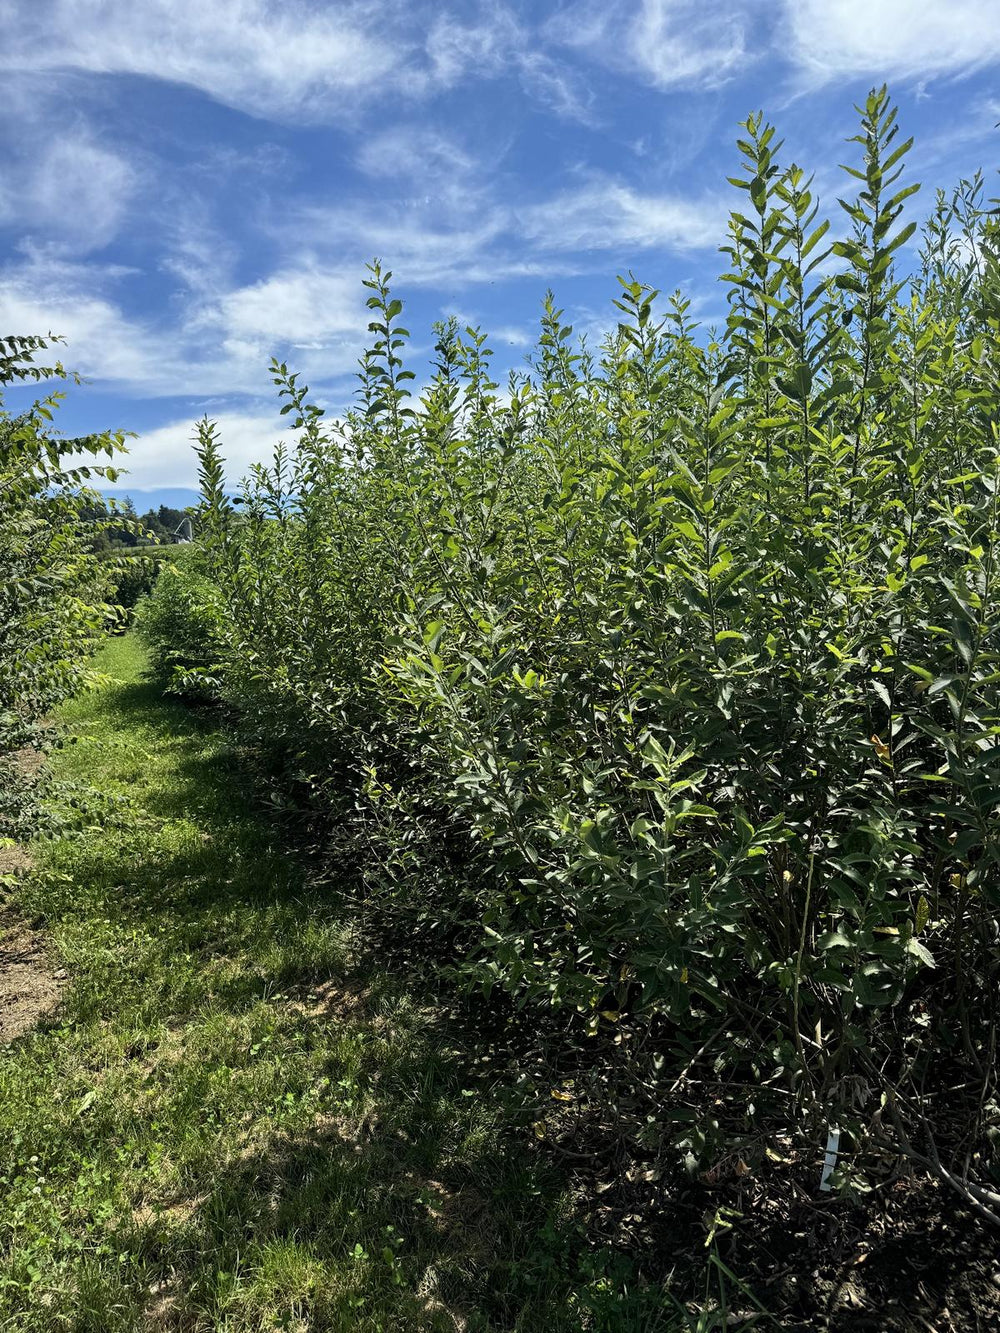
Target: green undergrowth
x=236, y=1121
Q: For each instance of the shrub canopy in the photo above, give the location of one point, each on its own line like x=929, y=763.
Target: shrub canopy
x=53, y=588
x=666, y=680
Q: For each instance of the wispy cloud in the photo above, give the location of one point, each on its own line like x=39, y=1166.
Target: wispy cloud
x=72, y=190
x=958, y=147
x=606, y=214
x=668, y=43
x=301, y=60
x=467, y=233
x=424, y=240
x=891, y=39
x=557, y=87
x=103, y=343
x=140, y=356
x=486, y=44
x=293, y=59
x=311, y=305
x=420, y=152
x=497, y=43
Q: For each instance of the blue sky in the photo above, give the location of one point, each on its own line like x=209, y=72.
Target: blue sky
x=188, y=186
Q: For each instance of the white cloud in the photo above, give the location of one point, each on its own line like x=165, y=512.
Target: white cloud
x=219, y=348
x=691, y=42
x=447, y=237
x=101, y=343
x=512, y=335
x=307, y=60
x=704, y=43
x=467, y=235
x=414, y=151
x=268, y=59
x=72, y=190
x=606, y=214
x=668, y=43
x=163, y=457
x=498, y=44
x=957, y=147
x=487, y=46
x=105, y=345
x=892, y=39
x=307, y=303
x=558, y=88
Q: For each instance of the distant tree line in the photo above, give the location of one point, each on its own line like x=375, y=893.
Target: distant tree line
x=119, y=525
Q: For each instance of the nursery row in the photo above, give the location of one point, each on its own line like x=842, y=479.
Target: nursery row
x=660, y=686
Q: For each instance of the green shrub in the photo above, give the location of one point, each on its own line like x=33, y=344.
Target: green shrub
x=133, y=572
x=53, y=589
x=133, y=577
x=178, y=622
x=669, y=680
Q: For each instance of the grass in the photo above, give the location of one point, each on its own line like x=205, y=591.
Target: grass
x=234, y=1122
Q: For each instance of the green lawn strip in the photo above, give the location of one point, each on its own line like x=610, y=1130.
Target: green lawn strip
x=231, y=1123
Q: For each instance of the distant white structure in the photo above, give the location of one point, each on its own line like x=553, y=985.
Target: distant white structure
x=183, y=532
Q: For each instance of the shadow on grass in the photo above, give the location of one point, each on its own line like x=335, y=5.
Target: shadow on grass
x=395, y=1221
x=343, y=1156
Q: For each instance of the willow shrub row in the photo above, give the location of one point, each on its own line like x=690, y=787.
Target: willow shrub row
x=665, y=679
x=54, y=590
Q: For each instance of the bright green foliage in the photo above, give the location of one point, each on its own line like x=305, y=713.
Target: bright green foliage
x=668, y=679
x=178, y=622
x=53, y=588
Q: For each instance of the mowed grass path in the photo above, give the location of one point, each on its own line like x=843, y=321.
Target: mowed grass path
x=232, y=1122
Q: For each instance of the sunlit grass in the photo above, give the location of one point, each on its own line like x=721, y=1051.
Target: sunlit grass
x=234, y=1122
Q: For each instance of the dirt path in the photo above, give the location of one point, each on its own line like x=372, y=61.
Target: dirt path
x=31, y=984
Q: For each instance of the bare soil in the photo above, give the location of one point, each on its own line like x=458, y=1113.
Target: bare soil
x=31, y=984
